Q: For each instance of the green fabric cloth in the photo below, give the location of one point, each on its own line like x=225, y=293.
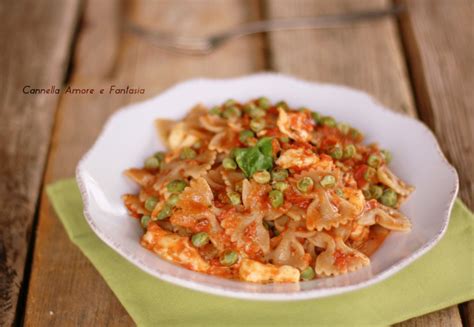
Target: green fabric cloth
x=441, y=278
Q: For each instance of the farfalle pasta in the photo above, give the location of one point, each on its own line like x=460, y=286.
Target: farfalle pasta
x=264, y=193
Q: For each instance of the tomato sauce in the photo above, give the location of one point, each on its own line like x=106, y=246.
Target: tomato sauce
x=297, y=199
x=308, y=146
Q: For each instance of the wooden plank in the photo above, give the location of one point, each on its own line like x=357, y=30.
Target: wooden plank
x=448, y=317
x=467, y=313
x=367, y=56
x=60, y=301
x=26, y=124
x=438, y=36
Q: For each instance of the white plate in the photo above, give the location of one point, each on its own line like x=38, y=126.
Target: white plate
x=129, y=137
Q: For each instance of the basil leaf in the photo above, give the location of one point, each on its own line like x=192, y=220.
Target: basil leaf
x=237, y=152
x=247, y=159
x=253, y=159
x=265, y=146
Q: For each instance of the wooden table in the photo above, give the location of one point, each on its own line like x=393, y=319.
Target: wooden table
x=421, y=64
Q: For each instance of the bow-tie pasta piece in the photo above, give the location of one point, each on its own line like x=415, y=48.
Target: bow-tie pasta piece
x=337, y=258
x=262, y=192
x=387, y=217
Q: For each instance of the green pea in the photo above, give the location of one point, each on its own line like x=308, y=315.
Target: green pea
x=328, y=121
x=349, y=151
x=389, y=198
x=308, y=273
x=262, y=177
x=229, y=258
x=336, y=152
x=230, y=102
x=282, y=104
x=229, y=164
x=374, y=160
x=256, y=112
x=249, y=107
x=343, y=128
x=369, y=174
x=263, y=103
x=165, y=212
x=187, y=153
x=152, y=163
x=244, y=136
x=387, y=156
x=305, y=184
x=280, y=186
x=279, y=174
x=231, y=112
x=367, y=194
x=257, y=124
x=145, y=220
x=200, y=239
x=328, y=181
x=375, y=191
x=284, y=139
x=340, y=193
x=160, y=155
x=151, y=203
x=356, y=134
x=234, y=198
x=173, y=200
x=176, y=186
x=276, y=198
x=316, y=116
x=216, y=110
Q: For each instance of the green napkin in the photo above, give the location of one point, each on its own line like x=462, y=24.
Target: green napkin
x=441, y=278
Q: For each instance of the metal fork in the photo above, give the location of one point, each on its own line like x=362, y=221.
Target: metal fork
x=205, y=45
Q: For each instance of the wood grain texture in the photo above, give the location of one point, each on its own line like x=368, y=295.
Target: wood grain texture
x=365, y=56
x=368, y=56
x=26, y=124
x=467, y=313
x=447, y=317
x=439, y=39
x=65, y=290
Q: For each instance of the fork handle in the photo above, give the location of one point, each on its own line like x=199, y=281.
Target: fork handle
x=326, y=21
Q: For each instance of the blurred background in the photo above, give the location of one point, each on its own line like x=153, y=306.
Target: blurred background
x=420, y=63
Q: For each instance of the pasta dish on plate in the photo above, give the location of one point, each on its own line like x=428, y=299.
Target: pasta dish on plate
x=261, y=192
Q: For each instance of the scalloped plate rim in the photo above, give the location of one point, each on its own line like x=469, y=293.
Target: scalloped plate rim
x=267, y=296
